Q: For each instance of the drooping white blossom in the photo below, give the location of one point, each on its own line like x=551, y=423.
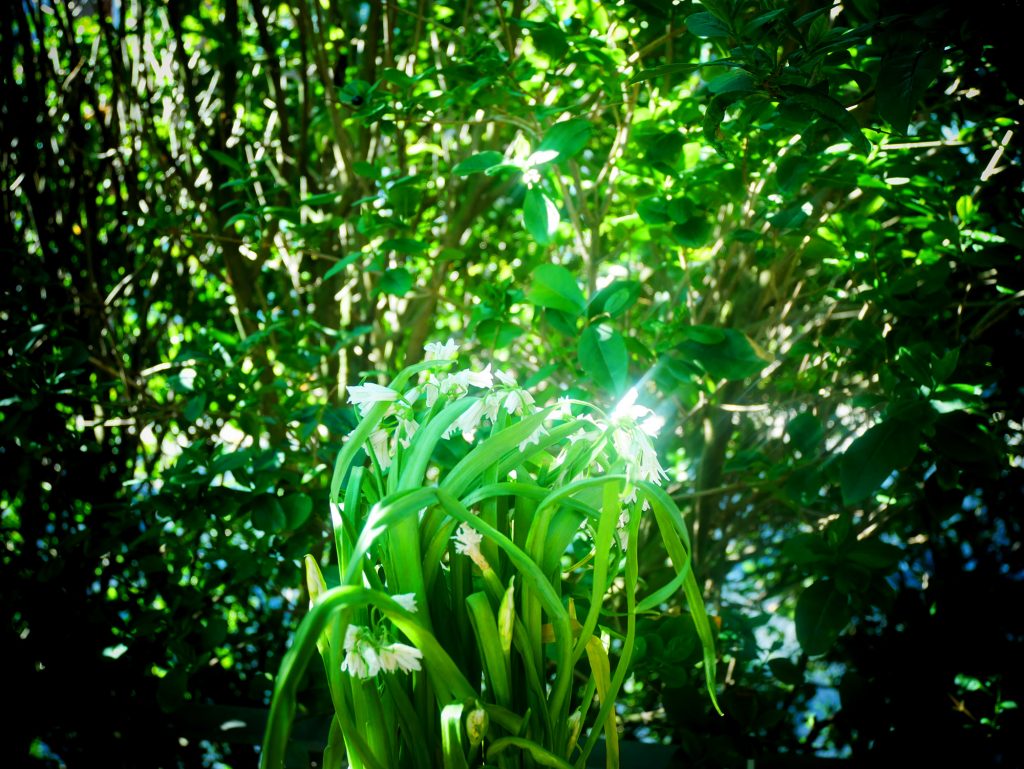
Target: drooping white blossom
x=361, y=659
x=398, y=656
x=366, y=395
x=440, y=350
x=468, y=422
x=407, y=428
x=406, y=600
x=533, y=437
x=633, y=427
x=506, y=378
x=380, y=443
x=467, y=542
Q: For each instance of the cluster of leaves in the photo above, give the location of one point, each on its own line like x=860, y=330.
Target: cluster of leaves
x=794, y=226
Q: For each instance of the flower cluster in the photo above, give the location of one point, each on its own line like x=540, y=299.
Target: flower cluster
x=467, y=542
x=366, y=654
x=633, y=427
x=502, y=394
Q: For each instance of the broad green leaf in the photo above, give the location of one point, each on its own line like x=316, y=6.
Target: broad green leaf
x=693, y=233
x=324, y=198
x=268, y=515
x=703, y=24
x=567, y=138
x=540, y=216
x=905, y=74
x=194, y=408
x=714, y=114
x=368, y=170
x=786, y=671
x=477, y=163
x=822, y=612
x=396, y=281
x=495, y=334
x=297, y=509
x=733, y=81
x=732, y=356
x=806, y=549
x=404, y=245
x=805, y=433
x=652, y=211
x=874, y=456
x=602, y=355
x=874, y=554
x=829, y=109
x=555, y=287
x=615, y=298
x=341, y=264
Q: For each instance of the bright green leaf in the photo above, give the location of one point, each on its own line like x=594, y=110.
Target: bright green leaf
x=477, y=163
x=602, y=355
x=540, y=216
x=555, y=287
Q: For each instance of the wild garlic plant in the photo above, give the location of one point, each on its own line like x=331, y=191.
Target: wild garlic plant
x=488, y=577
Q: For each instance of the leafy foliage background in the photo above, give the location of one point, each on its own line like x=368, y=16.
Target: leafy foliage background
x=795, y=225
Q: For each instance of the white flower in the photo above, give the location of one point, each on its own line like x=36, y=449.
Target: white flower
x=492, y=403
x=507, y=379
x=531, y=176
x=518, y=401
x=379, y=444
x=468, y=423
x=402, y=657
x=439, y=351
x=626, y=409
x=534, y=437
x=467, y=542
x=367, y=394
x=636, y=450
x=481, y=378
x=361, y=659
x=432, y=388
x=406, y=429
x=406, y=600
x=633, y=428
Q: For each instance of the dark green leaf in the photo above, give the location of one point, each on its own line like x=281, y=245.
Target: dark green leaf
x=830, y=110
x=324, y=198
x=194, y=408
x=396, y=281
x=495, y=334
x=404, y=245
x=874, y=456
x=821, y=615
x=703, y=24
x=903, y=78
x=786, y=671
x=732, y=356
x=268, y=515
x=297, y=509
x=874, y=554
x=805, y=433
x=341, y=264
x=735, y=80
